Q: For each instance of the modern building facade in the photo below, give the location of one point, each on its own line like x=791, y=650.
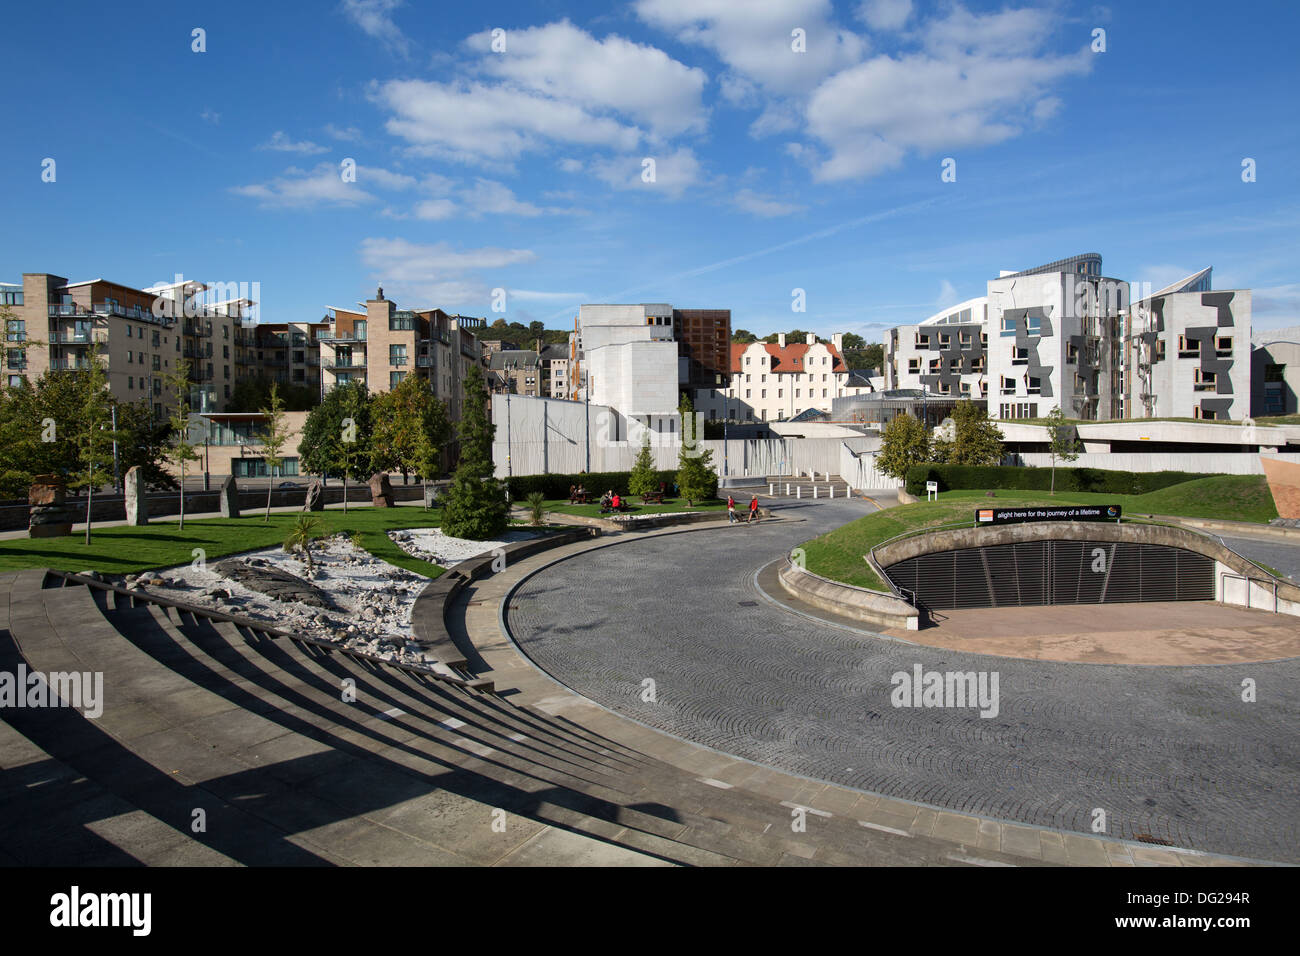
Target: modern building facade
x=1275, y=372
x=1188, y=353
x=1065, y=335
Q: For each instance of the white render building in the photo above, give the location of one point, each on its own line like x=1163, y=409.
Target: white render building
x=1187, y=353
x=777, y=382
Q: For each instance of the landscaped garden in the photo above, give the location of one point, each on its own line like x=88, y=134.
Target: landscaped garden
x=635, y=507
x=839, y=555
x=124, y=549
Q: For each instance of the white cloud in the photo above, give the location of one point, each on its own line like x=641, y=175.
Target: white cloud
x=208, y=116
x=569, y=165
x=568, y=64
x=470, y=121
x=298, y=188
x=1275, y=307
x=383, y=179
x=754, y=39
x=434, y=209
x=885, y=14
x=374, y=17
x=763, y=206
x=947, y=294
x=979, y=79
x=348, y=133
x=281, y=143
x=438, y=274
x=675, y=172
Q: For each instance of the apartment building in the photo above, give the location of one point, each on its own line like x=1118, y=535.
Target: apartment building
x=143, y=335
x=555, y=371
x=778, y=382
x=284, y=352
x=514, y=371
x=380, y=344
x=1187, y=353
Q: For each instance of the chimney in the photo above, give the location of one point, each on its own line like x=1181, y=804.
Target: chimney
x=780, y=340
x=810, y=339
x=380, y=295
x=837, y=340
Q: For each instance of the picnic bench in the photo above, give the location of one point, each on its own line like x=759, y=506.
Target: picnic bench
x=583, y=498
x=652, y=497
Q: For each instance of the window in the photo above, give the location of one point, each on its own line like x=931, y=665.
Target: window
x=1034, y=386
x=934, y=366
x=128, y=331
x=155, y=340
x=1223, y=345
x=796, y=393
x=225, y=371
x=1008, y=326
x=1033, y=325
x=945, y=340
x=922, y=340
x=964, y=338
x=401, y=321
x=129, y=359
x=1188, y=348
x=130, y=383
x=1160, y=350
x=394, y=378
x=1019, y=356
x=823, y=393
x=965, y=389
x=156, y=363
x=1206, y=381
x=1071, y=355
x=1008, y=385
x=359, y=330
x=780, y=393
x=1208, y=414
x=397, y=355
x=914, y=365
x=747, y=393
x=945, y=388
x=763, y=393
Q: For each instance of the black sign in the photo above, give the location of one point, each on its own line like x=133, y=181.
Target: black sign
x=1062, y=513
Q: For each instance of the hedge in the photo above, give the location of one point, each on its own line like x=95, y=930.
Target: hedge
x=989, y=477
x=596, y=482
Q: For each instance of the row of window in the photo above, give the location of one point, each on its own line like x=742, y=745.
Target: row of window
x=964, y=339
x=810, y=375
x=793, y=361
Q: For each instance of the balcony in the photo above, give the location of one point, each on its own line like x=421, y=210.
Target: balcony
x=345, y=364
x=424, y=361
x=197, y=329
x=71, y=338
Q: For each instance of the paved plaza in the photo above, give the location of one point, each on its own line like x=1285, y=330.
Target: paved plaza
x=1170, y=754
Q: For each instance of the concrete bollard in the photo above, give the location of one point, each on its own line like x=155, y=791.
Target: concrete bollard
x=787, y=487
x=798, y=492
x=814, y=492
x=771, y=489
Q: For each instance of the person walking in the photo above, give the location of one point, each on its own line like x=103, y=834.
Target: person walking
x=731, y=510
x=753, y=507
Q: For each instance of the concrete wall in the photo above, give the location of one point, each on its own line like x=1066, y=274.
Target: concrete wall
x=1208, y=463
x=548, y=436
x=858, y=469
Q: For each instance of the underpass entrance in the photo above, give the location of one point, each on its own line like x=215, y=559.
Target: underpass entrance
x=1055, y=572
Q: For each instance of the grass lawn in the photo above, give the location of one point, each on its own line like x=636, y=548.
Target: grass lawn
x=562, y=506
x=839, y=554
x=123, y=549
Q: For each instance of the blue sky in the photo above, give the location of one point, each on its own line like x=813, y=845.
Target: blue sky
x=775, y=170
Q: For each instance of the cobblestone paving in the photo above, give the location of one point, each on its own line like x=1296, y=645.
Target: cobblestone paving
x=1169, y=754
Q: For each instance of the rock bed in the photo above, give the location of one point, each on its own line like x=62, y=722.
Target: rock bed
x=430, y=544
x=370, y=599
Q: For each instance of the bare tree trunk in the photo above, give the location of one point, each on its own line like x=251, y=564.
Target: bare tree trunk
x=90, y=501
x=182, y=523
x=268, y=503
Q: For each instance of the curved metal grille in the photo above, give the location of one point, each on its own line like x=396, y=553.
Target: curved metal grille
x=1055, y=572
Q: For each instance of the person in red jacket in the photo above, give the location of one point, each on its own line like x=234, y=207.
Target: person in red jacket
x=753, y=507
x=617, y=502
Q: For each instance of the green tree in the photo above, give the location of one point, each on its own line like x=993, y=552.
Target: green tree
x=433, y=440
x=476, y=502
x=696, y=481
x=406, y=419
x=254, y=394
x=93, y=435
x=1061, y=439
x=853, y=341
x=273, y=440
x=144, y=444
x=976, y=440
x=644, y=479
x=182, y=449
x=322, y=448
x=867, y=357
x=904, y=443
x=743, y=337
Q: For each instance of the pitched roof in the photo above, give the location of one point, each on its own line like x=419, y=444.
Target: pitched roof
x=788, y=359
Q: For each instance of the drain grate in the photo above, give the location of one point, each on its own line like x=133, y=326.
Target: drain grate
x=748, y=603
